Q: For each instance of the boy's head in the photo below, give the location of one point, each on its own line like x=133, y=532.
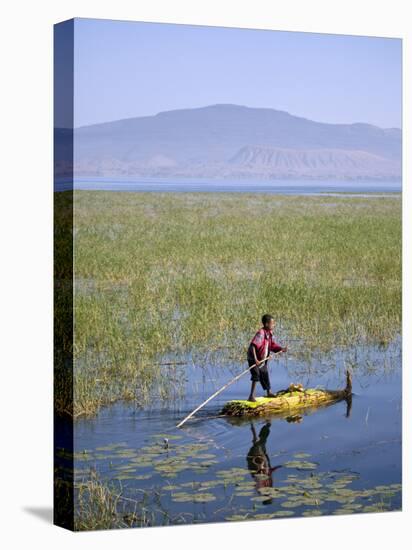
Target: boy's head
x=268, y=321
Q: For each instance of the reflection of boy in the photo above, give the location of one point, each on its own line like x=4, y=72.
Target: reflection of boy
x=258, y=460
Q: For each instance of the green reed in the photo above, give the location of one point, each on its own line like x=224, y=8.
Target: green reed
x=165, y=273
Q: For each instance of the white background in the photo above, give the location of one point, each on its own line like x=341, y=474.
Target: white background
x=26, y=271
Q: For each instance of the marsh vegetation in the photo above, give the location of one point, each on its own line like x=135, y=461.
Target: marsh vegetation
x=167, y=274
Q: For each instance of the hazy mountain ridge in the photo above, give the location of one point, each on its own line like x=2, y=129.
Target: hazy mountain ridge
x=236, y=141
x=314, y=162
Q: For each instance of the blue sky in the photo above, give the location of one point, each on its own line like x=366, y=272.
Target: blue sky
x=126, y=69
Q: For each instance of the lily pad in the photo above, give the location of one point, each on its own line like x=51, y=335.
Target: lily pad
x=264, y=516
x=204, y=497
x=236, y=517
x=341, y=511
x=233, y=472
x=301, y=465
x=301, y=455
x=197, y=497
x=260, y=498
x=290, y=504
x=310, y=513
x=210, y=484
x=126, y=454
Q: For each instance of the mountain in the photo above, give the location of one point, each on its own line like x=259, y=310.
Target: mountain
x=228, y=141
x=320, y=163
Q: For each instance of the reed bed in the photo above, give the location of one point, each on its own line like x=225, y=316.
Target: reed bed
x=100, y=505
x=161, y=274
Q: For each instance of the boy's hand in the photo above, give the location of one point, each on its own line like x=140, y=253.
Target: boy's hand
x=285, y=349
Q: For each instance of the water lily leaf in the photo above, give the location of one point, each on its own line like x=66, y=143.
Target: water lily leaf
x=233, y=472
x=274, y=493
x=264, y=490
x=283, y=513
x=197, y=497
x=290, y=504
x=366, y=493
x=260, y=498
x=339, y=499
x=264, y=516
x=126, y=454
x=181, y=497
x=236, y=517
x=301, y=465
x=313, y=502
x=204, y=497
x=341, y=511
x=312, y=486
x=210, y=484
x=246, y=484
x=170, y=487
x=310, y=513
x=207, y=464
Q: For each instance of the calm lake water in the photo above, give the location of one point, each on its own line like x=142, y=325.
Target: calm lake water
x=284, y=187
x=335, y=460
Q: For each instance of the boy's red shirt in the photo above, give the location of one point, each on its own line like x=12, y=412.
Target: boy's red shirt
x=264, y=342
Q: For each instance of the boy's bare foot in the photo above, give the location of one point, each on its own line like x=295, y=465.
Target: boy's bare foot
x=270, y=394
x=252, y=398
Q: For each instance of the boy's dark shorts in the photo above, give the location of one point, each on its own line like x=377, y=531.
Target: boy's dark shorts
x=257, y=373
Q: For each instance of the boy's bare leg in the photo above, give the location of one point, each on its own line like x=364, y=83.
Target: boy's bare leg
x=252, y=392
x=264, y=374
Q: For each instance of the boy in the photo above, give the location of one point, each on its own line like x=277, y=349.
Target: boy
x=262, y=343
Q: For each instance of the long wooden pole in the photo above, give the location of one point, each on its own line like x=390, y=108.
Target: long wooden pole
x=219, y=391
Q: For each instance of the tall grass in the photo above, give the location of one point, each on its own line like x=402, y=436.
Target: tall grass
x=166, y=273
x=99, y=505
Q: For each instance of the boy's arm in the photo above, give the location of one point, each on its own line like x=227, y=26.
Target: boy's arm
x=257, y=362
x=276, y=347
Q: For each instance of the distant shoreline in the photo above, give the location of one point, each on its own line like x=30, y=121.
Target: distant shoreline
x=278, y=187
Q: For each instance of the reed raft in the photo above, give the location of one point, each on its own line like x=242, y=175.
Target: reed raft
x=288, y=401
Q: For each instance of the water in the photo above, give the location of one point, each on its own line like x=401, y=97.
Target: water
x=284, y=187
x=338, y=459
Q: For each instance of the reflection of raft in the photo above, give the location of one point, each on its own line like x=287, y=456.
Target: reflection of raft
x=288, y=401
